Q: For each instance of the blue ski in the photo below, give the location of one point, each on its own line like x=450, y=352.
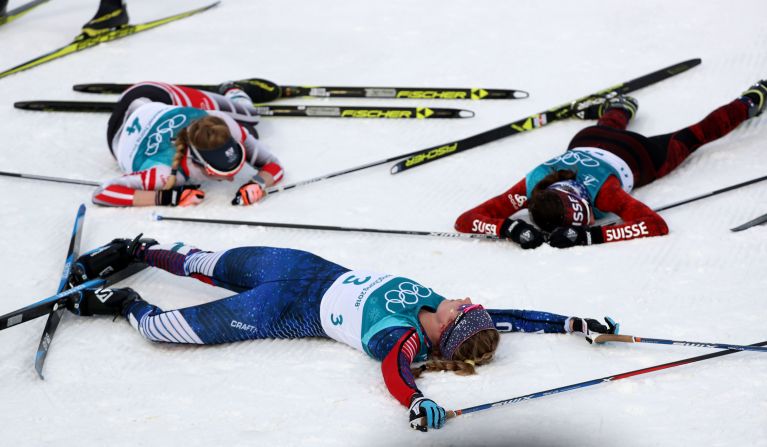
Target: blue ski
x=58, y=309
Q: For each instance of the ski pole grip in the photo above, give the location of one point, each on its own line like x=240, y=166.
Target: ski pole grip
x=603, y=338
x=450, y=414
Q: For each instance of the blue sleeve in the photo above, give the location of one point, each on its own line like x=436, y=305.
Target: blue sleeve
x=382, y=342
x=512, y=320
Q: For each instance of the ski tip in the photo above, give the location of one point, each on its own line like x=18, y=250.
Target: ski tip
x=39, y=359
x=24, y=105
x=466, y=114
x=520, y=94
x=395, y=169
x=156, y=216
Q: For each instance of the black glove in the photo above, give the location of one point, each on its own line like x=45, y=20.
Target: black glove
x=565, y=237
x=521, y=232
x=179, y=196
x=589, y=327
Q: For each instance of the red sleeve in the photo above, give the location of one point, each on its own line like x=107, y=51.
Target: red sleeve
x=638, y=219
x=396, y=367
x=120, y=191
x=488, y=217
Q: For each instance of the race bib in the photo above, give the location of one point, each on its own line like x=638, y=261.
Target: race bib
x=342, y=306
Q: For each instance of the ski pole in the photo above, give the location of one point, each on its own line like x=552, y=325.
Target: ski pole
x=703, y=196
x=712, y=193
x=604, y=338
x=589, y=383
x=50, y=179
x=453, y=235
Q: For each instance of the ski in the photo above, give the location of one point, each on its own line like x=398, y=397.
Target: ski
x=761, y=220
x=87, y=42
x=535, y=121
x=262, y=90
x=452, y=235
x=54, y=317
x=273, y=111
x=16, y=13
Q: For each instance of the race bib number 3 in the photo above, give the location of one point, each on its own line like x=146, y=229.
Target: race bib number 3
x=341, y=309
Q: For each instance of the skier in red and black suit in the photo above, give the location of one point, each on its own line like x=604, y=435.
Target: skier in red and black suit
x=602, y=165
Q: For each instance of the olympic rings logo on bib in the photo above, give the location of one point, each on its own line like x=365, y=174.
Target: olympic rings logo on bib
x=166, y=127
x=408, y=294
x=572, y=158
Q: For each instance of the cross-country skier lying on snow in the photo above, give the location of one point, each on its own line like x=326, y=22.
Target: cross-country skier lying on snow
x=169, y=139
x=603, y=163
x=286, y=293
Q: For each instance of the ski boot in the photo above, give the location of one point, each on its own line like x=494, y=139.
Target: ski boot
x=105, y=301
x=594, y=108
x=109, y=259
x=111, y=15
x=755, y=98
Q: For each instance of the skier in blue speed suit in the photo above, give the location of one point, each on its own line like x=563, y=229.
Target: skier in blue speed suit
x=286, y=293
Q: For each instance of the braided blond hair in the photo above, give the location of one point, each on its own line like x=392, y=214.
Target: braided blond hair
x=475, y=351
x=205, y=133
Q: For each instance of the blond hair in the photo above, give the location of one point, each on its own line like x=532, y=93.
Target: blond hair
x=205, y=133
x=475, y=351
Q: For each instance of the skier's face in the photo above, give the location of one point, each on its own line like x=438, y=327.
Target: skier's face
x=447, y=311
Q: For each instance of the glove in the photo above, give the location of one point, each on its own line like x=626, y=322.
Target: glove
x=101, y=262
x=426, y=411
x=250, y=192
x=590, y=327
x=565, y=237
x=180, y=196
x=521, y=232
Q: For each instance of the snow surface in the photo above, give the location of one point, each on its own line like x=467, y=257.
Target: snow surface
x=105, y=385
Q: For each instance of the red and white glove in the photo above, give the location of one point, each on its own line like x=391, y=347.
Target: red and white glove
x=250, y=192
x=180, y=196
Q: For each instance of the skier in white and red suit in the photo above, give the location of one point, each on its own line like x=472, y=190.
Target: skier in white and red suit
x=169, y=139
x=603, y=163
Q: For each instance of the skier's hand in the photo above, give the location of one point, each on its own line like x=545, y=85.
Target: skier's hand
x=589, y=327
x=249, y=193
x=565, y=237
x=521, y=232
x=425, y=414
x=180, y=196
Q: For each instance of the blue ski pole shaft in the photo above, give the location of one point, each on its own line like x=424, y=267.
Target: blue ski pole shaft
x=44, y=306
x=589, y=383
x=602, y=338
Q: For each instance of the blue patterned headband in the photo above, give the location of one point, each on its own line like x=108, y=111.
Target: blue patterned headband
x=472, y=319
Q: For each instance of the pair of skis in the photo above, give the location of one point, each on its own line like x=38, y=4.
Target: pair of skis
x=54, y=306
